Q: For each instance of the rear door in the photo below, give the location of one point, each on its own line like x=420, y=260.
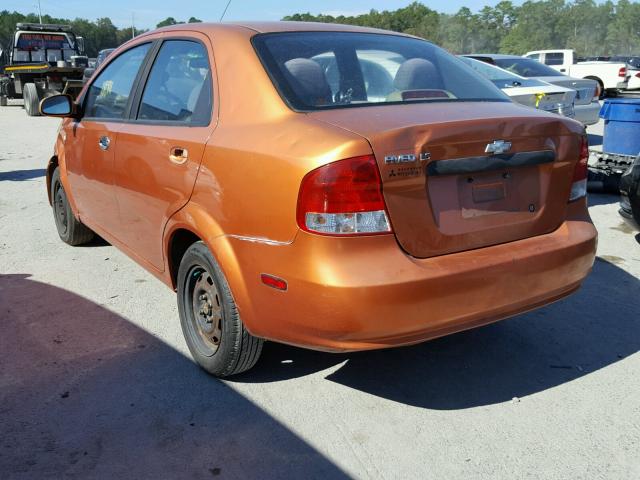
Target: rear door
x=159, y=153
x=90, y=160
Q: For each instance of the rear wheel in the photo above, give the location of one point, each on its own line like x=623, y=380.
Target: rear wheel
x=31, y=99
x=211, y=324
x=70, y=229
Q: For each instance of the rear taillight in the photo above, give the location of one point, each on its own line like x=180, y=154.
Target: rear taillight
x=622, y=72
x=343, y=198
x=638, y=74
x=580, y=173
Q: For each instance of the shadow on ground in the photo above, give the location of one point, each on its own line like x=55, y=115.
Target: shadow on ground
x=595, y=198
x=21, y=175
x=594, y=139
x=524, y=355
x=86, y=394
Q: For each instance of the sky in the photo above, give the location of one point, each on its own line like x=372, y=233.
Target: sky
x=147, y=13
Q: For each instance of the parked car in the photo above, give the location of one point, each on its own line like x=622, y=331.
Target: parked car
x=633, y=70
x=630, y=195
x=279, y=209
x=633, y=84
x=612, y=76
x=102, y=56
x=587, y=106
x=527, y=91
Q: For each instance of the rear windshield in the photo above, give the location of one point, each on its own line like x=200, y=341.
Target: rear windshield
x=501, y=78
x=526, y=67
x=323, y=70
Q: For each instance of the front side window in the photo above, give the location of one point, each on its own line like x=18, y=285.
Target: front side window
x=179, y=85
x=320, y=70
x=109, y=94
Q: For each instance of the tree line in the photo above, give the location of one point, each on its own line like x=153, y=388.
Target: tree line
x=588, y=27
x=98, y=34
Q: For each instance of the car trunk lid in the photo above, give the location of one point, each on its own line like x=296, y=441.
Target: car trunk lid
x=585, y=89
x=444, y=193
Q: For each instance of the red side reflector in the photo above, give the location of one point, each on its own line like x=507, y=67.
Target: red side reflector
x=274, y=282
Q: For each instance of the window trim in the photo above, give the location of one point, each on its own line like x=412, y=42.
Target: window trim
x=127, y=111
x=141, y=85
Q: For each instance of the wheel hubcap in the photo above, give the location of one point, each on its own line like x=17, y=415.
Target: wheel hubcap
x=206, y=309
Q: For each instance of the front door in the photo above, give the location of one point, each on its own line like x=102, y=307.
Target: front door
x=158, y=155
x=90, y=164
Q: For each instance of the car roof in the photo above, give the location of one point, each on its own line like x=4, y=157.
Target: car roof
x=271, y=27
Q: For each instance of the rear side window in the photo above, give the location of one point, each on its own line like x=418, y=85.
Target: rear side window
x=179, y=85
x=553, y=58
x=109, y=94
x=323, y=70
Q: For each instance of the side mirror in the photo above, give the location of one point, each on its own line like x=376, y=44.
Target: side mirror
x=58, y=106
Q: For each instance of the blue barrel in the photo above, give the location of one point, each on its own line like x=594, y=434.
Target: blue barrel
x=621, y=126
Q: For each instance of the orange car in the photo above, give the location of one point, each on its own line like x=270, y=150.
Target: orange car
x=332, y=187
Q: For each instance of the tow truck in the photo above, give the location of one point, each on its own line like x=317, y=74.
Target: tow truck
x=43, y=60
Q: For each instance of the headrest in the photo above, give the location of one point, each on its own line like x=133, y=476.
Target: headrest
x=310, y=82
x=416, y=74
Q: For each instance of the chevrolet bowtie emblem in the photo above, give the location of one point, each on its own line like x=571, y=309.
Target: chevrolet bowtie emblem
x=498, y=147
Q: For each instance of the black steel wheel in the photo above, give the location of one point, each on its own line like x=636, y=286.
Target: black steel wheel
x=205, y=317
x=211, y=324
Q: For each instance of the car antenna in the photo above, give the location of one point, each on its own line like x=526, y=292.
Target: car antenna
x=225, y=11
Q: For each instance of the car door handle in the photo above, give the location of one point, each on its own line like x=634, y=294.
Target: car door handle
x=178, y=155
x=104, y=142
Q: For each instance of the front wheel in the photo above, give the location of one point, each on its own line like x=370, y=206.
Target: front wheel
x=211, y=324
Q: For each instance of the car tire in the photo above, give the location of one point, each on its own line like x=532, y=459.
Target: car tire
x=209, y=317
x=70, y=229
x=31, y=99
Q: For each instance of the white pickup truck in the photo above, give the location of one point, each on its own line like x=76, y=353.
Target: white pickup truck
x=612, y=76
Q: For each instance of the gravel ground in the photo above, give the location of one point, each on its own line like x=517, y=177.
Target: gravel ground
x=95, y=381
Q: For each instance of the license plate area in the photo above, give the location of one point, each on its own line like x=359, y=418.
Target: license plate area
x=477, y=201
x=486, y=194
